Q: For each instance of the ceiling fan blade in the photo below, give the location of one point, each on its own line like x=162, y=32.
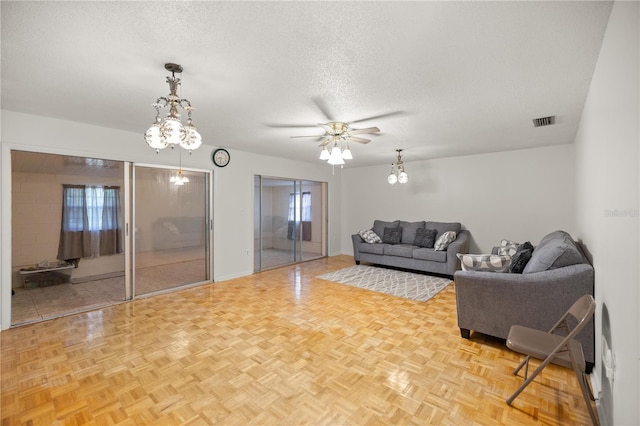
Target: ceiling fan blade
x=325, y=142
x=286, y=126
x=375, y=117
x=324, y=109
x=362, y=131
x=359, y=140
x=310, y=136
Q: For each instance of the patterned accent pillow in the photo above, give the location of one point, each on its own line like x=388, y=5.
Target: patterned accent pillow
x=425, y=237
x=484, y=262
x=444, y=240
x=507, y=248
x=392, y=235
x=369, y=236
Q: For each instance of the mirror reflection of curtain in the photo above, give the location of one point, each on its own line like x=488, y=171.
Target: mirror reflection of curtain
x=90, y=222
x=110, y=229
x=75, y=240
x=306, y=216
x=304, y=208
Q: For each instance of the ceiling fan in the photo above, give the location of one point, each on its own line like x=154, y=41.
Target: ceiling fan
x=337, y=133
x=338, y=130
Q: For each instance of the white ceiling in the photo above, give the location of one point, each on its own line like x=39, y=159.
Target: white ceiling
x=464, y=77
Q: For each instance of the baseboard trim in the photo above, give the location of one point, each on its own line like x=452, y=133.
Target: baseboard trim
x=78, y=280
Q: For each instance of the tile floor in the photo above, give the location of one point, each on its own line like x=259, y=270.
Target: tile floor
x=155, y=271
x=36, y=304
x=30, y=305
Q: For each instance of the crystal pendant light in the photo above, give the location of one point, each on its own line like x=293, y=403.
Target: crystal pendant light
x=398, y=174
x=392, y=178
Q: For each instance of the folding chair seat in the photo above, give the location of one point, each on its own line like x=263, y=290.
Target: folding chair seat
x=554, y=348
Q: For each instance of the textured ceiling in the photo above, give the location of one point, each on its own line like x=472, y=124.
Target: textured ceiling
x=464, y=77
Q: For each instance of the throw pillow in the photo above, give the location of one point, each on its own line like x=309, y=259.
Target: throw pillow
x=425, y=238
x=508, y=248
x=392, y=235
x=520, y=259
x=379, y=225
x=484, y=262
x=553, y=254
x=444, y=240
x=369, y=236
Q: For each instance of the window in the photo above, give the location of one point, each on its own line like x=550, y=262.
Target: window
x=88, y=203
x=91, y=220
x=299, y=209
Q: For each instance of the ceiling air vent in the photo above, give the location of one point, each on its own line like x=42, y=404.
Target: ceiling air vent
x=544, y=121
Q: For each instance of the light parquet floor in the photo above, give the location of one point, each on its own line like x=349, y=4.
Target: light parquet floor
x=276, y=348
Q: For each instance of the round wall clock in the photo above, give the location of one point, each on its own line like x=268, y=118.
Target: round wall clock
x=220, y=157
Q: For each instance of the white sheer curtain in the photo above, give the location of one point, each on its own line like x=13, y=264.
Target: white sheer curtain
x=95, y=199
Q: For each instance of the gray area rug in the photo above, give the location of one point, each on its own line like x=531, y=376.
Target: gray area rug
x=396, y=283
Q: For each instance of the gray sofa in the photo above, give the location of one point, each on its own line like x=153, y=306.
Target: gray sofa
x=406, y=255
x=178, y=232
x=555, y=277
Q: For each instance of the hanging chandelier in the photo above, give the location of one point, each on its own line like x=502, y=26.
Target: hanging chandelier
x=179, y=179
x=170, y=131
x=398, y=174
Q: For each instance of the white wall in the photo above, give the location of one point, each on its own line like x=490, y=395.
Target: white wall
x=607, y=162
x=519, y=195
x=233, y=185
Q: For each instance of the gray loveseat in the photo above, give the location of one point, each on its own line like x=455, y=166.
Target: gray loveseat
x=406, y=254
x=555, y=277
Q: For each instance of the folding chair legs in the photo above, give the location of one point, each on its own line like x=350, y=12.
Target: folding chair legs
x=525, y=362
x=587, y=395
x=530, y=378
x=582, y=381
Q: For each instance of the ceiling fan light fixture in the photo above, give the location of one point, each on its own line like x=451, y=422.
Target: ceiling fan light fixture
x=324, y=154
x=346, y=154
x=335, y=158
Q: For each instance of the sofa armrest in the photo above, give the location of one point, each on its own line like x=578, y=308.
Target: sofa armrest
x=491, y=302
x=356, y=239
x=460, y=245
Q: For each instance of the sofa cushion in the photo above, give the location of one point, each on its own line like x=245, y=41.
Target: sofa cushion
x=521, y=257
x=379, y=225
x=507, y=247
x=369, y=236
x=442, y=227
x=400, y=250
x=371, y=248
x=554, y=251
x=425, y=238
x=392, y=235
x=444, y=240
x=484, y=262
x=409, y=230
x=430, y=254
